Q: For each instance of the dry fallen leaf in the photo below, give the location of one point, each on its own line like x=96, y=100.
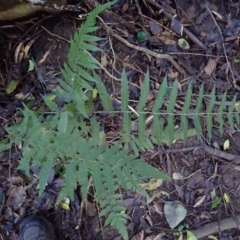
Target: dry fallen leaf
x=90, y=209
x=138, y=236
x=158, y=208
x=211, y=65
x=152, y=184
x=16, y=197
x=199, y=201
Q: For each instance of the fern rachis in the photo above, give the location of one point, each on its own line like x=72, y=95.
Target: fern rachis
x=67, y=135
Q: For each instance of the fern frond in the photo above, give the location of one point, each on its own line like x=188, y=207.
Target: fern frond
x=185, y=110
x=230, y=114
x=67, y=136
x=209, y=112
x=124, y=108
x=220, y=111
x=79, y=62
x=197, y=116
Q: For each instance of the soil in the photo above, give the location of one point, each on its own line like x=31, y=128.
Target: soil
x=212, y=29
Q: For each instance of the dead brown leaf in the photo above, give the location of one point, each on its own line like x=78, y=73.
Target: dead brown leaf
x=199, y=201
x=138, y=236
x=90, y=209
x=16, y=197
x=210, y=67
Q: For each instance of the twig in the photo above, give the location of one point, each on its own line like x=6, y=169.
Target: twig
x=188, y=33
x=147, y=51
x=232, y=158
x=224, y=50
x=112, y=16
x=186, y=149
x=227, y=156
x=55, y=35
x=185, y=30
x=214, y=227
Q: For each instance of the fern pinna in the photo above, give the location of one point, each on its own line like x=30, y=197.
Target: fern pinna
x=65, y=135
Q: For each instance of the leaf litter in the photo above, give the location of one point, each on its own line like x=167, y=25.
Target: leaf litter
x=185, y=199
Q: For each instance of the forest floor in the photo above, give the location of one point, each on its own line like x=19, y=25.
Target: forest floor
x=204, y=183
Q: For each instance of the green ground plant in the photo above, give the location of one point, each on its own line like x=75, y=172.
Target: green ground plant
x=71, y=133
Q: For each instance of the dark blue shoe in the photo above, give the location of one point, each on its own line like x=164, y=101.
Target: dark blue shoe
x=36, y=228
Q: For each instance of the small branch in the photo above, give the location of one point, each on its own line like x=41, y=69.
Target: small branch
x=185, y=30
x=211, y=228
x=232, y=158
x=112, y=16
x=224, y=50
x=227, y=156
x=188, y=33
x=147, y=51
x=57, y=6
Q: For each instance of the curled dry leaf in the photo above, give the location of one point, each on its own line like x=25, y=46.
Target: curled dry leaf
x=200, y=201
x=158, y=208
x=16, y=197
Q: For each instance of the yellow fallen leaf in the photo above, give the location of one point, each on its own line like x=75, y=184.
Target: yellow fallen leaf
x=157, y=194
x=11, y=86
x=212, y=237
x=30, y=65
x=227, y=198
x=152, y=184
x=65, y=206
x=226, y=144
x=236, y=106
x=94, y=93
x=180, y=237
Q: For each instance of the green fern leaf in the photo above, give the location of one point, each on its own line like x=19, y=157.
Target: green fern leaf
x=70, y=176
x=140, y=109
x=230, y=114
x=184, y=119
x=160, y=97
x=45, y=171
x=50, y=103
x=157, y=129
x=197, y=112
x=91, y=38
x=63, y=122
x=236, y=114
x=97, y=178
x=124, y=108
x=157, y=126
x=209, y=112
x=108, y=176
x=170, y=109
x=27, y=156
x=82, y=175
x=4, y=145
x=106, y=102
x=133, y=147
x=86, y=75
x=95, y=128
x=147, y=171
x=220, y=113
x=144, y=93
x=141, y=130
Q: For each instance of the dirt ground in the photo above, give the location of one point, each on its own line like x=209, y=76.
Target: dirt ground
x=204, y=182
